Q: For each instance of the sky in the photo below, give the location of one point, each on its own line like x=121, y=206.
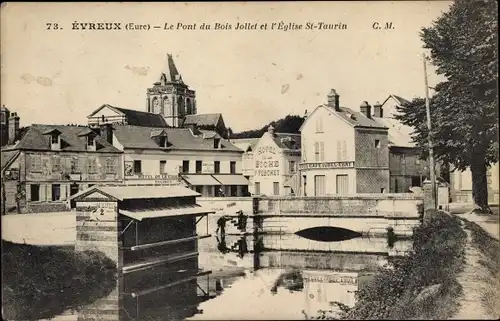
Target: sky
x=252, y=77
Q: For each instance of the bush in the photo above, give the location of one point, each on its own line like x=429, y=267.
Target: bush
x=41, y=282
x=437, y=258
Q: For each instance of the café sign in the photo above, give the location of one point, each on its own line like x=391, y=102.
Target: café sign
x=326, y=165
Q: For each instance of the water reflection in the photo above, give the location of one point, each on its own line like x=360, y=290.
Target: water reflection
x=246, y=277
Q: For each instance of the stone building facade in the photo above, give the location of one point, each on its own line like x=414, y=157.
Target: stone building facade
x=343, y=151
x=52, y=162
x=196, y=158
x=170, y=96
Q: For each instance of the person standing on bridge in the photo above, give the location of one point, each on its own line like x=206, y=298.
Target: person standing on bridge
x=221, y=224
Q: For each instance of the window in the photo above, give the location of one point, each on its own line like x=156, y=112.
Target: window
x=198, y=166
x=344, y=150
x=257, y=188
x=55, y=139
x=185, y=166
x=342, y=184
x=341, y=150
x=232, y=168
x=137, y=167
x=110, y=165
x=92, y=165
x=90, y=140
x=163, y=164
x=234, y=190
x=316, y=151
x=319, y=185
x=36, y=163
x=3, y=118
x=416, y=181
x=291, y=166
x=73, y=189
x=276, y=188
x=216, y=142
x=35, y=192
x=382, y=190
x=319, y=125
x=163, y=141
x=216, y=167
x=321, y=151
x=377, y=143
x=75, y=165
x=56, y=164
x=56, y=192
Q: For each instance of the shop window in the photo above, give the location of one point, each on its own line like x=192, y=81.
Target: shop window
x=56, y=192
x=35, y=192
x=234, y=190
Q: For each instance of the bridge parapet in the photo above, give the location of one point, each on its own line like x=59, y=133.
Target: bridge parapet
x=360, y=205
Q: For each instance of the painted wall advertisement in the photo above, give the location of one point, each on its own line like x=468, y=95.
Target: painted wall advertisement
x=267, y=161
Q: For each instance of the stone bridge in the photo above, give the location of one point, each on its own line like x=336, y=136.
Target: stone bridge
x=368, y=214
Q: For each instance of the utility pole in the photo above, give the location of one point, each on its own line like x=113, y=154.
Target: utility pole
x=429, y=138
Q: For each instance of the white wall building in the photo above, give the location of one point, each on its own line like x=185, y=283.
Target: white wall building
x=461, y=185
x=200, y=159
x=343, y=151
x=247, y=145
x=275, y=159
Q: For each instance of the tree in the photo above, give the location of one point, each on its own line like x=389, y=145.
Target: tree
x=464, y=110
x=290, y=124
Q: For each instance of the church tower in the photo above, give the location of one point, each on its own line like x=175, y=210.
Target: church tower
x=170, y=96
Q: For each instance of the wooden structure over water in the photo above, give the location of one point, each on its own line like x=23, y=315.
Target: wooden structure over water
x=150, y=233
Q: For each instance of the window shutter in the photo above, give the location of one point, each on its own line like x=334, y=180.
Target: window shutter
x=43, y=192
x=339, y=151
x=49, y=192
x=344, y=150
x=316, y=151
x=64, y=192
x=322, y=151
x=28, y=192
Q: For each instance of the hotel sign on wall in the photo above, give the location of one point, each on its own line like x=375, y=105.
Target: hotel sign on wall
x=266, y=163
x=161, y=179
x=327, y=165
x=208, y=168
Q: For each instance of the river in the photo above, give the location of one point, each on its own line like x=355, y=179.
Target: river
x=266, y=277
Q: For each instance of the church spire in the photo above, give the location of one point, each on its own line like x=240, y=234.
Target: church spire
x=170, y=72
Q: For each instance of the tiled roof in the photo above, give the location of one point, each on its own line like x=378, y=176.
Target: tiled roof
x=288, y=141
x=141, y=118
x=399, y=134
x=178, y=138
x=245, y=143
x=71, y=140
x=401, y=100
x=202, y=119
x=356, y=118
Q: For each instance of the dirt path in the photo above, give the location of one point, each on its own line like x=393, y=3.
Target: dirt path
x=472, y=279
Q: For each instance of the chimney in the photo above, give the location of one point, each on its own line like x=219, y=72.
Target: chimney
x=13, y=128
x=106, y=132
x=377, y=110
x=366, y=109
x=333, y=100
x=270, y=130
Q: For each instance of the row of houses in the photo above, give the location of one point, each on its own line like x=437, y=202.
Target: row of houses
x=338, y=151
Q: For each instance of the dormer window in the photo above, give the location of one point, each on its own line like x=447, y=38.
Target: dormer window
x=90, y=140
x=55, y=138
x=160, y=137
x=217, y=143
